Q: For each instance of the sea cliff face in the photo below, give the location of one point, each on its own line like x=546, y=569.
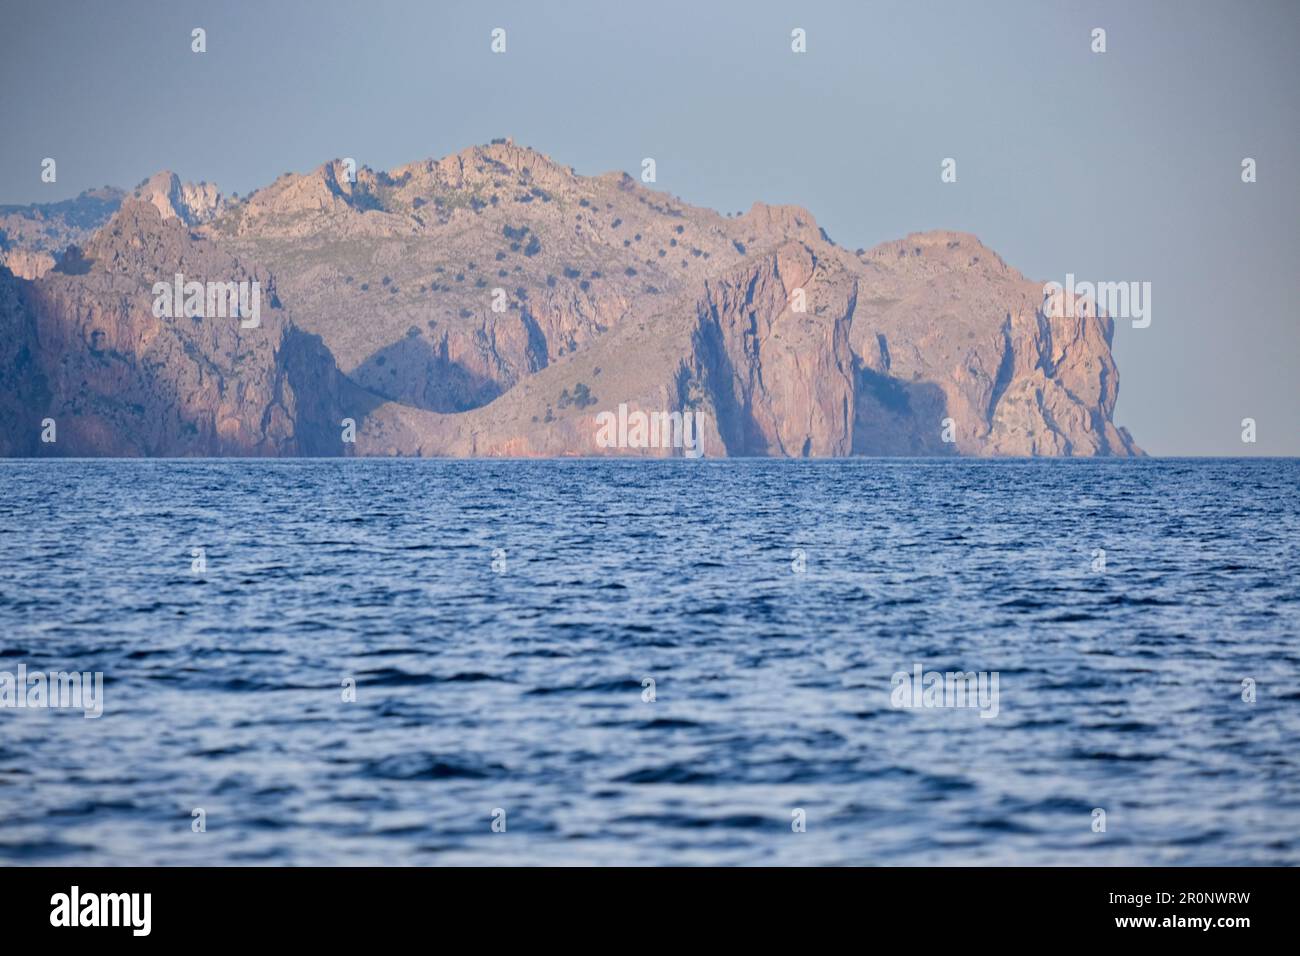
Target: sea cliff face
x=87, y=353
x=494, y=303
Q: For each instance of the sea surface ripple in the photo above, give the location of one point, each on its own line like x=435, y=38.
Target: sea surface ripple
x=519, y=686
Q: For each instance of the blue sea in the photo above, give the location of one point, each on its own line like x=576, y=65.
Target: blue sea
x=652, y=662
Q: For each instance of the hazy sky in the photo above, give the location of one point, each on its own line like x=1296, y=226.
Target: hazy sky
x=1117, y=166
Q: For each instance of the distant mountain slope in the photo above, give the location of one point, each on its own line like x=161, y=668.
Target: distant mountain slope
x=494, y=303
x=32, y=237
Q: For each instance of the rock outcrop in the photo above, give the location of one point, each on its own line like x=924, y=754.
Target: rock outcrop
x=25, y=263
x=191, y=203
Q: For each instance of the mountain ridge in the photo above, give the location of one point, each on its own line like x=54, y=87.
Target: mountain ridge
x=460, y=304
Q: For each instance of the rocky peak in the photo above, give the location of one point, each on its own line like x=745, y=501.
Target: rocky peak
x=939, y=250
x=191, y=203
x=781, y=222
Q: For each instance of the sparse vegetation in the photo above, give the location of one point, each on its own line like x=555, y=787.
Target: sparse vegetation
x=581, y=397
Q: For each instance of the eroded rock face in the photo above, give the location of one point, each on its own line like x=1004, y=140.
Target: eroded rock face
x=191, y=203
x=495, y=303
x=117, y=380
x=760, y=377
x=24, y=389
x=26, y=264
x=773, y=341
x=422, y=250
x=946, y=330
x=769, y=380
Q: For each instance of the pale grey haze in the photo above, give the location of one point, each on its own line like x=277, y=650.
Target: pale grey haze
x=1114, y=167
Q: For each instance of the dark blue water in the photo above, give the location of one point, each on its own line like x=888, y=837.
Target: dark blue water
x=522, y=689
